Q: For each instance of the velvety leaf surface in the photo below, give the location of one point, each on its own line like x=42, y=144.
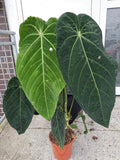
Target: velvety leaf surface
x=58, y=121
x=17, y=108
x=89, y=72
x=37, y=66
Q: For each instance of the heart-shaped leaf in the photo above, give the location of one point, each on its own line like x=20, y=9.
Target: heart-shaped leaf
x=37, y=66
x=17, y=108
x=89, y=72
x=58, y=121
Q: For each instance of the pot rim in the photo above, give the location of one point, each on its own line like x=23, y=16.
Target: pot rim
x=58, y=145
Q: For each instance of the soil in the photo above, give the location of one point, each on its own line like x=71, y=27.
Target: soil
x=69, y=136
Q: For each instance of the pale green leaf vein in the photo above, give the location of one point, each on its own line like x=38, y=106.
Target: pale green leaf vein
x=32, y=27
x=49, y=43
x=96, y=47
x=27, y=65
x=85, y=33
x=84, y=26
x=43, y=71
x=32, y=76
x=67, y=27
x=67, y=40
x=93, y=79
x=70, y=57
x=101, y=67
x=51, y=34
x=54, y=23
x=104, y=80
x=28, y=36
x=80, y=75
x=76, y=66
x=73, y=22
x=53, y=73
x=55, y=65
x=25, y=53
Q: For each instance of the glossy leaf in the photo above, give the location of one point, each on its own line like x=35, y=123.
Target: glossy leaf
x=37, y=66
x=17, y=108
x=89, y=72
x=58, y=122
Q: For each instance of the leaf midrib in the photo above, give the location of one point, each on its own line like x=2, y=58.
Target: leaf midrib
x=43, y=71
x=93, y=78
x=58, y=128
x=96, y=47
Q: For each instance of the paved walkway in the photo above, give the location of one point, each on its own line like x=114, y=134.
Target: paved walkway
x=99, y=144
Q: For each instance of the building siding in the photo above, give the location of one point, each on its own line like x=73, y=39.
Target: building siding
x=6, y=56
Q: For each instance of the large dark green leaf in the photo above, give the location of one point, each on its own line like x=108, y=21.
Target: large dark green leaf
x=37, y=66
x=89, y=72
x=17, y=108
x=58, y=121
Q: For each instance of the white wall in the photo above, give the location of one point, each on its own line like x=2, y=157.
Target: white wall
x=14, y=15
x=54, y=8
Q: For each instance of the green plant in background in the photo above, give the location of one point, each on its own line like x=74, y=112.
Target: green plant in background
x=53, y=55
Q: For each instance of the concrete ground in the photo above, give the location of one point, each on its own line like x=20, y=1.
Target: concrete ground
x=99, y=144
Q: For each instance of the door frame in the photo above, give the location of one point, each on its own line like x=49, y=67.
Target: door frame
x=99, y=13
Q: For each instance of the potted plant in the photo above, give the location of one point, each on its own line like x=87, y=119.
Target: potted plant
x=54, y=55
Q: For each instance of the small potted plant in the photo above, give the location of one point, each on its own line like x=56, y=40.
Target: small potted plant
x=54, y=55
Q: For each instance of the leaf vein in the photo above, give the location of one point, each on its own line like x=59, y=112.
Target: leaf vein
x=49, y=42
x=93, y=79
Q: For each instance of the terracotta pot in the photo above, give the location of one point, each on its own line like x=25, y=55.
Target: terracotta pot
x=59, y=153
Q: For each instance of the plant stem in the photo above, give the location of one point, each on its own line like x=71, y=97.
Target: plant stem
x=83, y=119
x=65, y=90
x=66, y=114
x=71, y=108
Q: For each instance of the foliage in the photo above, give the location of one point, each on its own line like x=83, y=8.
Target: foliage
x=87, y=69
x=17, y=108
x=45, y=67
x=58, y=121
x=37, y=66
